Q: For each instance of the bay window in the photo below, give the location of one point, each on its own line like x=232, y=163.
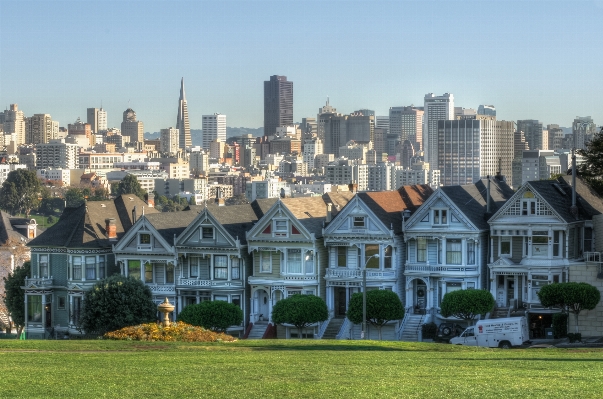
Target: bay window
x=101, y=267
x=220, y=267
x=134, y=269
x=370, y=261
x=235, y=269
x=342, y=256
x=453, y=252
x=77, y=267
x=34, y=308
x=294, y=264
x=265, y=261
x=421, y=249
x=309, y=262
x=43, y=265
x=505, y=246
x=387, y=257
x=169, y=273
x=471, y=252
x=540, y=241
x=148, y=272
x=194, y=267
x=90, y=267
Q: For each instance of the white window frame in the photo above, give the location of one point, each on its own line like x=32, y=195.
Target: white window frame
x=280, y=232
x=502, y=239
x=213, y=233
x=438, y=215
x=301, y=260
x=262, y=262
x=425, y=253
x=359, y=219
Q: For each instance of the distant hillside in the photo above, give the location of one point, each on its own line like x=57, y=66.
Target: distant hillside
x=230, y=132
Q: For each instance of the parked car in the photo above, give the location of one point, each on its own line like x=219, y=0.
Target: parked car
x=448, y=330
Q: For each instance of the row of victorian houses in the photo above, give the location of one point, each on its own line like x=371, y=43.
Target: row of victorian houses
x=416, y=242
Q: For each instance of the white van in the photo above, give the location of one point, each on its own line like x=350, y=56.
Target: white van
x=495, y=333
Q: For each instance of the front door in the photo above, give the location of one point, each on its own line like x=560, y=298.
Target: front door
x=340, y=301
x=264, y=305
x=421, y=296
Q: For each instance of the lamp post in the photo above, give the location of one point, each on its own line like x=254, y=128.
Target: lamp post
x=363, y=334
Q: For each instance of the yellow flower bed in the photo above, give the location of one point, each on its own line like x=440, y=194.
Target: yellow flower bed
x=180, y=332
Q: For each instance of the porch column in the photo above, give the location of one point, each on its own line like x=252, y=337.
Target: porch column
x=464, y=251
x=549, y=246
x=70, y=309
x=516, y=288
x=443, y=251
x=198, y=300
x=43, y=311
x=26, y=309
x=491, y=249
x=179, y=296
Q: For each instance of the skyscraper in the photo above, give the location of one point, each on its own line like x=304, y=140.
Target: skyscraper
x=182, y=123
x=278, y=103
x=132, y=127
x=407, y=124
x=436, y=108
x=583, y=128
x=40, y=128
x=170, y=138
x=97, y=118
x=214, y=127
x=14, y=122
x=533, y=132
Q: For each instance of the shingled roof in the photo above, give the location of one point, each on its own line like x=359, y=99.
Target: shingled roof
x=471, y=199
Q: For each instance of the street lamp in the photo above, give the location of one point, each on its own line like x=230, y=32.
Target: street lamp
x=363, y=334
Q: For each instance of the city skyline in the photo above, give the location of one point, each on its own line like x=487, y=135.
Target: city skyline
x=529, y=61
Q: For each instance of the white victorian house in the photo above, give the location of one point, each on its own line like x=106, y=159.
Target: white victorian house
x=366, y=234
x=537, y=238
x=447, y=243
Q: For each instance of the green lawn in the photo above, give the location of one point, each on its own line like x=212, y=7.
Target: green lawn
x=286, y=369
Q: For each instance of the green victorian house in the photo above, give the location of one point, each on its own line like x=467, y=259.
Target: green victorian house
x=70, y=257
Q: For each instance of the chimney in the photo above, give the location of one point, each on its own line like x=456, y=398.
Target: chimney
x=111, y=228
x=134, y=215
x=329, y=212
x=574, y=208
x=150, y=197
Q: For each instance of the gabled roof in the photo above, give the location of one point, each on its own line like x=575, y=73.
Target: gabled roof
x=170, y=224
x=8, y=229
x=471, y=199
x=388, y=205
x=236, y=219
x=84, y=226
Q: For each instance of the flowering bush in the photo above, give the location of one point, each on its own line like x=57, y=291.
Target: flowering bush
x=180, y=332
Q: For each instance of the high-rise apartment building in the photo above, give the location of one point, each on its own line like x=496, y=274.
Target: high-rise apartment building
x=40, y=128
x=583, y=128
x=170, y=139
x=469, y=149
x=555, y=136
x=56, y=154
x=13, y=121
x=534, y=134
x=182, y=123
x=214, y=127
x=131, y=127
x=339, y=129
x=278, y=104
x=407, y=123
x=535, y=165
x=436, y=108
x=97, y=118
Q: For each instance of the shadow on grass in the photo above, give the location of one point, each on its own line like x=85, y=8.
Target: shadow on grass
x=528, y=359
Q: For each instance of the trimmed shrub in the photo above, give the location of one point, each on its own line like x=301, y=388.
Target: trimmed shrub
x=560, y=325
x=179, y=332
x=429, y=330
x=213, y=315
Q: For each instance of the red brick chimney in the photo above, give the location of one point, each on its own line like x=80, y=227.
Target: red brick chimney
x=111, y=228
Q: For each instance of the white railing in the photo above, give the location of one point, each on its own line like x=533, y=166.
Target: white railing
x=403, y=323
x=160, y=288
x=322, y=328
x=39, y=281
x=594, y=257
x=439, y=268
x=357, y=273
x=293, y=277
x=345, y=329
x=193, y=282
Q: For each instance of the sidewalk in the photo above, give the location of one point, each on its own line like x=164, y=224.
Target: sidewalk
x=587, y=342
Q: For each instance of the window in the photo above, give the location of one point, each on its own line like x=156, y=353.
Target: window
x=453, y=252
x=148, y=272
x=280, y=227
x=34, y=308
x=370, y=260
x=557, y=243
x=134, y=269
x=207, y=233
x=90, y=267
x=440, y=216
x=309, y=262
x=294, y=264
x=144, y=239
x=421, y=249
x=265, y=262
x=540, y=241
x=76, y=310
x=387, y=257
x=101, y=267
x=220, y=267
x=342, y=256
x=169, y=273
x=43, y=264
x=359, y=222
x=62, y=303
x=470, y=252
x=194, y=267
x=221, y=298
x=77, y=267
x=505, y=246
x=236, y=300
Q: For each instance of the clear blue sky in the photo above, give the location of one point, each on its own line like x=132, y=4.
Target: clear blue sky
x=531, y=59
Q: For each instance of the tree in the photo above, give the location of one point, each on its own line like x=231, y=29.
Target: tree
x=117, y=302
x=74, y=197
x=592, y=168
x=129, y=185
x=467, y=304
x=574, y=297
x=14, y=295
x=212, y=315
x=20, y=191
x=382, y=306
x=300, y=311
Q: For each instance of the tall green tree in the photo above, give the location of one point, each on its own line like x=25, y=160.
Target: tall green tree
x=20, y=192
x=14, y=295
x=117, y=302
x=573, y=297
x=74, y=197
x=467, y=304
x=212, y=315
x=382, y=306
x=592, y=168
x=129, y=185
x=300, y=311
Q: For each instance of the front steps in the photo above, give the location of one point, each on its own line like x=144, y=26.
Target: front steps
x=411, y=328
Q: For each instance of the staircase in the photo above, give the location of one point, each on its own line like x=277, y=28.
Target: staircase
x=500, y=313
x=411, y=329
x=258, y=329
x=333, y=328
x=4, y=320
